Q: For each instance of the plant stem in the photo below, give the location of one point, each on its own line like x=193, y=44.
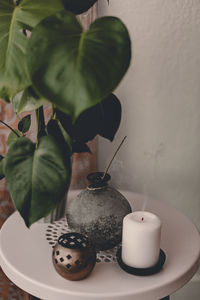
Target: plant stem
x=40, y=121
x=106, y=171
x=15, y=132
x=53, y=115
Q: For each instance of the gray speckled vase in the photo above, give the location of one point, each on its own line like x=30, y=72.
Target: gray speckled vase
x=98, y=212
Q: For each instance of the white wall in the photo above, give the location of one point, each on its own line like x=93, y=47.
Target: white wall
x=160, y=97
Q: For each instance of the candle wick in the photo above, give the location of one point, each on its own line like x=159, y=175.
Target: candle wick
x=142, y=219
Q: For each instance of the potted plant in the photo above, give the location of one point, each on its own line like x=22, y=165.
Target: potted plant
x=46, y=56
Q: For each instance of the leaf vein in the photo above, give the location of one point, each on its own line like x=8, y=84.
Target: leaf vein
x=4, y=36
x=19, y=47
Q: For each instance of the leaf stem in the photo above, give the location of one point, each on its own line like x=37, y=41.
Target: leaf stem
x=53, y=115
x=40, y=121
x=106, y=171
x=15, y=132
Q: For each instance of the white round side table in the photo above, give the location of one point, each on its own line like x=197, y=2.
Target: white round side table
x=25, y=257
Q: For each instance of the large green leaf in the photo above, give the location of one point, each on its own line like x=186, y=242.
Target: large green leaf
x=13, y=71
x=27, y=100
x=76, y=69
x=37, y=177
x=12, y=137
x=14, y=75
x=32, y=12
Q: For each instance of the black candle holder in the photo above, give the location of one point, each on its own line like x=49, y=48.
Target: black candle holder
x=141, y=271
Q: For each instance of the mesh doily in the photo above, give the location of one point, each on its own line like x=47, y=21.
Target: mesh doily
x=57, y=228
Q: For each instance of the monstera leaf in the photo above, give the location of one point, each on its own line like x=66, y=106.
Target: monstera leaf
x=80, y=147
x=27, y=100
x=75, y=69
x=103, y=119
x=78, y=6
x=14, y=75
x=37, y=177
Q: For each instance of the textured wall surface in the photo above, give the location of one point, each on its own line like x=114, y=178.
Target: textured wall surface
x=160, y=98
x=161, y=102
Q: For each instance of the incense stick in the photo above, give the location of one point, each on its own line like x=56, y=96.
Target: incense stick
x=106, y=171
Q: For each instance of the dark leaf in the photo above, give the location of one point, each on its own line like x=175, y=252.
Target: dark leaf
x=103, y=119
x=79, y=147
x=78, y=6
x=37, y=177
x=41, y=130
x=56, y=128
x=66, y=122
x=111, y=111
x=24, y=124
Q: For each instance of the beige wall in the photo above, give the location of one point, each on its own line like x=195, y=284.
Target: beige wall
x=160, y=97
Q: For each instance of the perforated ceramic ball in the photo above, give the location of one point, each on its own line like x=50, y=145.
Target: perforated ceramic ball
x=74, y=256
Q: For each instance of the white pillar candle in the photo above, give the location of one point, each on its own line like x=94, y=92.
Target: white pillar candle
x=141, y=239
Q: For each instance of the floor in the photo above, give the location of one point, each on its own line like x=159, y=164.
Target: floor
x=191, y=291
x=8, y=291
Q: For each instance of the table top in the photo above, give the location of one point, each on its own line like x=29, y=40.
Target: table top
x=25, y=257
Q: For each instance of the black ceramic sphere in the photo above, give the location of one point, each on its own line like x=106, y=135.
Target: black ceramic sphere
x=98, y=212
